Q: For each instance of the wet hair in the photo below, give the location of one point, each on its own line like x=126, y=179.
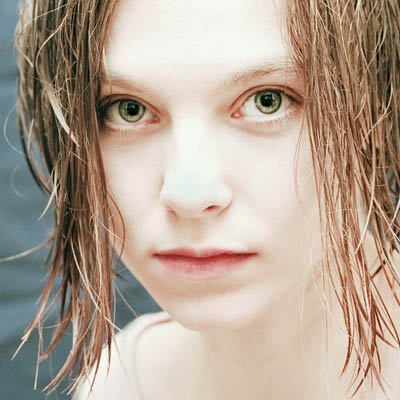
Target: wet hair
x=349, y=54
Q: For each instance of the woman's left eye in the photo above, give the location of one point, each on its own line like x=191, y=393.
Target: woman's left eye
x=268, y=101
x=267, y=105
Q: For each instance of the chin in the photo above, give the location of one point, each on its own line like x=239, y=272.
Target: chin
x=216, y=313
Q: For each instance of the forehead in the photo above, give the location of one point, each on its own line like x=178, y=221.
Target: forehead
x=177, y=39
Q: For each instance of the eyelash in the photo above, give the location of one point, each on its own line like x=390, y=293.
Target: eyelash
x=105, y=106
x=292, y=103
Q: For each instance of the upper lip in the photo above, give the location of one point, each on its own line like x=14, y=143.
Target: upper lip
x=200, y=253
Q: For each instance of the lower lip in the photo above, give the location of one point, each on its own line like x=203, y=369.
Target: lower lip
x=203, y=268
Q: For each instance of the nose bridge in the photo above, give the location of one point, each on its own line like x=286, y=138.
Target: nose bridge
x=193, y=152
x=193, y=184
x=192, y=134
x=192, y=155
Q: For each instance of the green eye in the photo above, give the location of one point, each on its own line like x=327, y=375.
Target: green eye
x=268, y=101
x=131, y=110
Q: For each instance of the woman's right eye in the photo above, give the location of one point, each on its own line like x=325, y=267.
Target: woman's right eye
x=131, y=110
x=125, y=114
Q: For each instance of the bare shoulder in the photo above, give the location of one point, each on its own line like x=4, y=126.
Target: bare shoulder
x=391, y=368
x=117, y=378
x=390, y=355
x=168, y=355
x=111, y=379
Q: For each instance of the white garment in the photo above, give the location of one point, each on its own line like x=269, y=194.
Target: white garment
x=121, y=377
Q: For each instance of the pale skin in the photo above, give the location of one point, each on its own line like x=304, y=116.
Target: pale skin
x=204, y=167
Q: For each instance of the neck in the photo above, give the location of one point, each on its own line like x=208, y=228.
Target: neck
x=284, y=356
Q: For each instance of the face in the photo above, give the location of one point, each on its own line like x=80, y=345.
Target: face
x=201, y=112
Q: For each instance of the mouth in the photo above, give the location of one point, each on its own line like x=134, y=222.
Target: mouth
x=199, y=264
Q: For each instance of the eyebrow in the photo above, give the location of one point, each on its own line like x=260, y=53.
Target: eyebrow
x=256, y=72
x=121, y=81
x=241, y=77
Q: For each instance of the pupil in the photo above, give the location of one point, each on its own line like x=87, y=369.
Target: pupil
x=132, y=108
x=267, y=100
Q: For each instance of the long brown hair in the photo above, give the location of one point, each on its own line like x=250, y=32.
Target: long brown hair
x=349, y=52
x=60, y=46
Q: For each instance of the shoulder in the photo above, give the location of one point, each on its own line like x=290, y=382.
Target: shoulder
x=170, y=355
x=118, y=377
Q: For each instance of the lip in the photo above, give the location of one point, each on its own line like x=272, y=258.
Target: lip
x=198, y=264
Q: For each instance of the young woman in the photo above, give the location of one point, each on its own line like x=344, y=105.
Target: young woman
x=243, y=159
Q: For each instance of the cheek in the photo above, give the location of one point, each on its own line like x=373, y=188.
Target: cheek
x=278, y=181
x=134, y=184
x=283, y=191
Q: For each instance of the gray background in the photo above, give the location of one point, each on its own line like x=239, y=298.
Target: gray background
x=21, y=280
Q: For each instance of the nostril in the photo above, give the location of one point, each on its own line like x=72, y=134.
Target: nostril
x=194, y=198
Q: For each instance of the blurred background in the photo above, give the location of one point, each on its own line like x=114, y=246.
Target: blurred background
x=22, y=279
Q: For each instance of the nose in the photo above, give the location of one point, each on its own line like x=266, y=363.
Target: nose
x=193, y=189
